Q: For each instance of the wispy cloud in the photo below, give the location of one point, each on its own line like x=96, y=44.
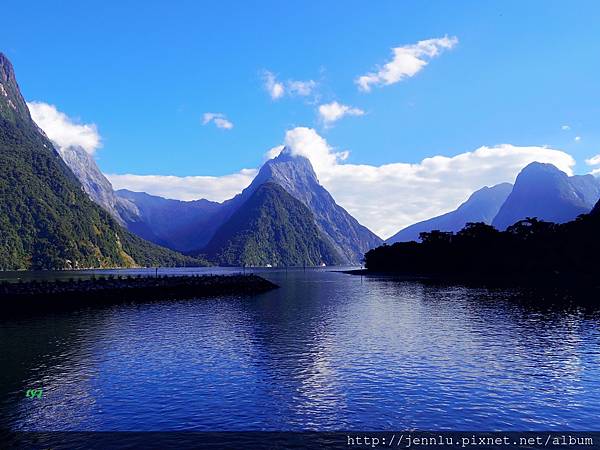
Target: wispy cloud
x=329, y=113
x=302, y=88
x=565, y=127
x=406, y=62
x=218, y=119
x=272, y=86
x=185, y=188
x=63, y=130
x=593, y=161
x=277, y=89
x=577, y=138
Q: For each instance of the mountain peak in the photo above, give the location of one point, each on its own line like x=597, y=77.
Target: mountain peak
x=539, y=167
x=12, y=104
x=6, y=68
x=288, y=155
x=542, y=190
x=287, y=169
x=295, y=174
x=284, y=154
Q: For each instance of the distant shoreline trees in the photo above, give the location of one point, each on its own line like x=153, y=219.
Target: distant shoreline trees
x=530, y=251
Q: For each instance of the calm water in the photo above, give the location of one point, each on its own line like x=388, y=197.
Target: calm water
x=327, y=351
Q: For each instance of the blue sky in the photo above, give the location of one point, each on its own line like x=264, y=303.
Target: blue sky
x=145, y=73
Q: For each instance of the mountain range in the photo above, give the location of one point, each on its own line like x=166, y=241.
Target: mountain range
x=194, y=227
x=296, y=221
x=198, y=222
x=59, y=211
x=182, y=226
x=540, y=191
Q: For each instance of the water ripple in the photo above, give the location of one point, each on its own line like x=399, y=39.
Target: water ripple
x=327, y=351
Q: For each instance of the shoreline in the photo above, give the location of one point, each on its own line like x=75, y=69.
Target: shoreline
x=567, y=282
x=34, y=296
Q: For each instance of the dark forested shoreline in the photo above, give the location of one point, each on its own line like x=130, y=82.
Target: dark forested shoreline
x=36, y=296
x=530, y=252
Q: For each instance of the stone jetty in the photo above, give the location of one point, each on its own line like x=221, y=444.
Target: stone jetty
x=50, y=295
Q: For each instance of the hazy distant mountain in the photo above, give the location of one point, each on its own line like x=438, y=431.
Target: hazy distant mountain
x=545, y=192
x=169, y=223
x=271, y=228
x=296, y=175
x=482, y=206
x=47, y=221
x=173, y=223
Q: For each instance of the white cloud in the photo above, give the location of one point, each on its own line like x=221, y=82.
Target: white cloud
x=278, y=89
x=329, y=113
x=185, y=188
x=593, y=161
x=389, y=197
x=218, y=119
x=577, y=138
x=406, y=62
x=308, y=143
x=565, y=127
x=273, y=87
x=302, y=88
x=63, y=130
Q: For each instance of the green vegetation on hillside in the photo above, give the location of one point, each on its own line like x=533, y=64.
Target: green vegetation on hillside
x=271, y=227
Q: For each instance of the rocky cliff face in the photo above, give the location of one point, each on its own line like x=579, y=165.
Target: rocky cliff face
x=12, y=105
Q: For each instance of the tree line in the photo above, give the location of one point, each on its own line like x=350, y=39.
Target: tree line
x=531, y=250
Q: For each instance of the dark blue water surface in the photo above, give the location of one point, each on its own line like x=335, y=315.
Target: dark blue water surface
x=326, y=351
